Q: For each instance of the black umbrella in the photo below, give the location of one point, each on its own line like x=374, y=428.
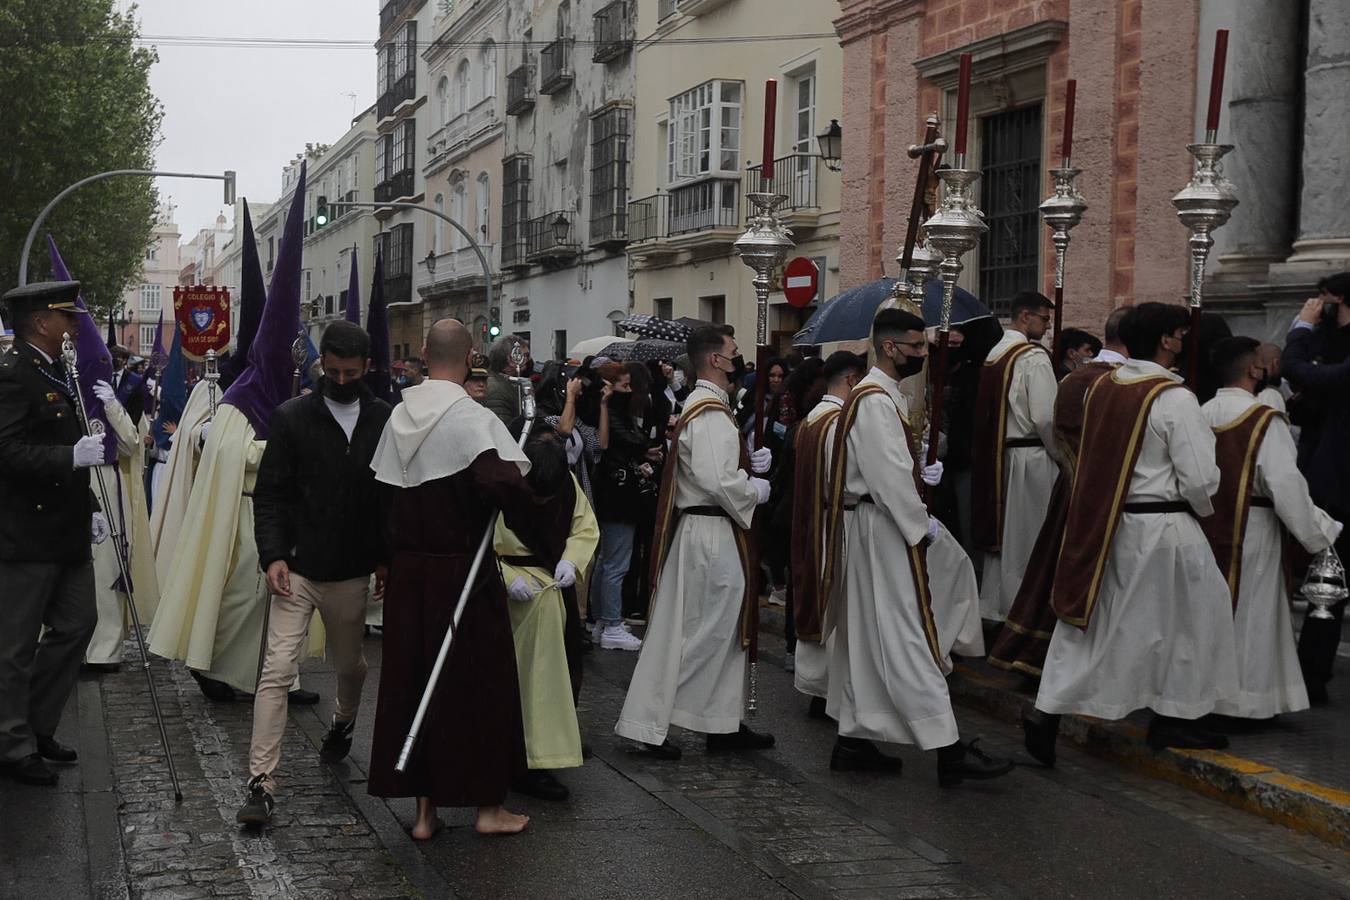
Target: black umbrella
x=657, y=328
x=643, y=351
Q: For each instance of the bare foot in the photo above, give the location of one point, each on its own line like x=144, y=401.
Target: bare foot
x=425, y=831
x=497, y=820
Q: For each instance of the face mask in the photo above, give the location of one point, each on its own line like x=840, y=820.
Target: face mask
x=908, y=366
x=341, y=393
x=1263, y=382
x=620, y=400
x=1275, y=381
x=677, y=380
x=737, y=369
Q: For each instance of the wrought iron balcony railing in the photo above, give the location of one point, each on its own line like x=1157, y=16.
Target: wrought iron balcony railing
x=795, y=176
x=613, y=32
x=402, y=90
x=396, y=186
x=555, y=67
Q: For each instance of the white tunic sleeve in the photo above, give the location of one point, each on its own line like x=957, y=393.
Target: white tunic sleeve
x=1278, y=477
x=710, y=459
x=1041, y=388
x=877, y=444
x=1190, y=445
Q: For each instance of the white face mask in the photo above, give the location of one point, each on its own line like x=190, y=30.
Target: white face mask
x=677, y=380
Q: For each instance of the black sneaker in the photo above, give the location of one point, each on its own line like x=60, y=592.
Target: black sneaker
x=32, y=769
x=217, y=691
x=960, y=762
x=258, y=809
x=303, y=698
x=541, y=784
x=664, y=750
x=1039, y=733
x=50, y=748
x=338, y=742
x=744, y=739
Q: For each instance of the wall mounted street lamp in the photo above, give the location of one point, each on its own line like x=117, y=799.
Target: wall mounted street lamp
x=831, y=142
x=561, y=228
x=431, y=263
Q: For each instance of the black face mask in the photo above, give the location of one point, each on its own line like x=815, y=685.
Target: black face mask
x=737, y=370
x=341, y=393
x=1274, y=381
x=619, y=401
x=1263, y=382
x=911, y=365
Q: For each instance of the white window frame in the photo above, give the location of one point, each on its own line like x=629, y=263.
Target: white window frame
x=151, y=298
x=147, y=336
x=703, y=134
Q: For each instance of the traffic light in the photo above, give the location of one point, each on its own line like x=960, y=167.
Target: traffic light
x=494, y=322
x=321, y=213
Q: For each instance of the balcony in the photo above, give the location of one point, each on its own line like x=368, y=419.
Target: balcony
x=666, y=8
x=609, y=221
x=647, y=219
x=541, y=240
x=555, y=67
x=704, y=206
x=797, y=177
x=398, y=289
x=699, y=7
x=613, y=38
x=402, y=91
x=457, y=271
x=395, y=187
x=390, y=12
x=519, y=91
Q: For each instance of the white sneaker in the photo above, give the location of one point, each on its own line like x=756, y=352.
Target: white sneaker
x=614, y=637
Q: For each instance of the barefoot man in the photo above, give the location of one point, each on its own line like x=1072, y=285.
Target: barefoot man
x=449, y=462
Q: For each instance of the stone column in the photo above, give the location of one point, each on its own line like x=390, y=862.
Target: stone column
x=1324, y=216
x=1264, y=71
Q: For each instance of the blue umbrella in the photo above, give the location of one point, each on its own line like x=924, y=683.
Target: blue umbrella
x=848, y=316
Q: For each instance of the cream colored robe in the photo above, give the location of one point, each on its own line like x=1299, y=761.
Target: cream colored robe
x=1270, y=681
x=212, y=602
x=884, y=682
x=1029, y=474
x=812, y=658
x=106, y=644
x=1161, y=634
x=691, y=671
x=175, y=482
x=552, y=736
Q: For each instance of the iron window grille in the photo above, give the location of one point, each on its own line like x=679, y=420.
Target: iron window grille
x=1010, y=194
x=515, y=210
x=610, y=131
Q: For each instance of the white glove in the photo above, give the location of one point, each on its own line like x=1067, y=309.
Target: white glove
x=88, y=452
x=762, y=487
x=519, y=590
x=98, y=528
x=933, y=528
x=1337, y=527
x=761, y=460
x=574, y=448
x=931, y=475
x=565, y=574
x=202, y=433
x=104, y=391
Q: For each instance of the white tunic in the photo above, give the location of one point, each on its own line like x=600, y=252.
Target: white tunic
x=1161, y=634
x=884, y=683
x=691, y=671
x=175, y=484
x=1269, y=678
x=812, y=658
x=1029, y=474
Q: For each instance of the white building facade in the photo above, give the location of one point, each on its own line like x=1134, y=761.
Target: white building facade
x=143, y=302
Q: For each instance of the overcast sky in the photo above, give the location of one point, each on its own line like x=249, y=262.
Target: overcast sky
x=252, y=109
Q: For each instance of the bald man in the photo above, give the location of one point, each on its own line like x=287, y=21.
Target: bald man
x=1268, y=390
x=449, y=463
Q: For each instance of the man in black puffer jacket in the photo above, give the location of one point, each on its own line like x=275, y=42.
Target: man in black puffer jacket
x=316, y=521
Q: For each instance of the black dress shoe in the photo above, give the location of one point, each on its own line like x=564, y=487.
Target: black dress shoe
x=541, y=784
x=337, y=743
x=960, y=762
x=1039, y=733
x=817, y=709
x=218, y=691
x=664, y=750
x=1317, y=690
x=856, y=755
x=586, y=751
x=744, y=739
x=48, y=748
x=100, y=668
x=32, y=769
x=1183, y=734
x=303, y=698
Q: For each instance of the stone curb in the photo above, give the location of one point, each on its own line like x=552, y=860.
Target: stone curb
x=1242, y=783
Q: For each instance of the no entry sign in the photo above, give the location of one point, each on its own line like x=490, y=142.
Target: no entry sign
x=801, y=282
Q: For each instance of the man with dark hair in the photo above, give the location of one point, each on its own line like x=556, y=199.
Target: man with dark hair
x=1261, y=497
x=1076, y=347
x=1145, y=618
x=1316, y=361
x=887, y=666
x=813, y=616
x=317, y=526
x=1013, y=467
x=45, y=567
x=503, y=397
x=692, y=667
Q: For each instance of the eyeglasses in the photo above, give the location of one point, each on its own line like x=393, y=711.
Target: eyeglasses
x=913, y=345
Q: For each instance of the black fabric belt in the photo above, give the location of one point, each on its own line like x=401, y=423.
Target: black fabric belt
x=865, y=498
x=1266, y=502
x=1009, y=443
x=248, y=494
x=716, y=511
x=1147, y=507
x=532, y=562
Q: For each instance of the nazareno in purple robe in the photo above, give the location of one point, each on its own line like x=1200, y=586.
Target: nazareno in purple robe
x=472, y=741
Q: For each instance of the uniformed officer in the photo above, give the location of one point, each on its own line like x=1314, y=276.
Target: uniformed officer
x=48, y=518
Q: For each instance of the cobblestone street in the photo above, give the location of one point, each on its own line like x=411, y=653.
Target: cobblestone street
x=776, y=824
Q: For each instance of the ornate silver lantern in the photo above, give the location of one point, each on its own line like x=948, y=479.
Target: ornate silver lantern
x=1204, y=205
x=1324, y=584
x=763, y=248
x=954, y=230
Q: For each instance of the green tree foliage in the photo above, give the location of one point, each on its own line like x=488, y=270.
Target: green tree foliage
x=75, y=100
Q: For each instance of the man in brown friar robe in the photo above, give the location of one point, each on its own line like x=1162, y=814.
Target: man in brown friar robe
x=449, y=464
x=811, y=608
x=1145, y=619
x=1013, y=461
x=1262, y=497
x=1025, y=636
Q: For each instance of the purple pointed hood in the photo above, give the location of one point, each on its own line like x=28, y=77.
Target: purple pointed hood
x=252, y=296
x=92, y=358
x=377, y=326
x=354, y=294
x=266, y=383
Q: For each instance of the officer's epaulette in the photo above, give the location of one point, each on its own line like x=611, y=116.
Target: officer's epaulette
x=9, y=358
